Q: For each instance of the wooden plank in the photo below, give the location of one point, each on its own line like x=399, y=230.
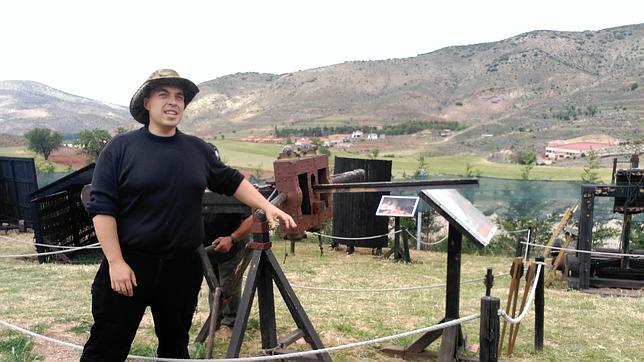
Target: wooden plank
x=562, y=223
x=514, y=285
x=553, y=272
x=295, y=307
x=243, y=311
x=447, y=352
x=526, y=288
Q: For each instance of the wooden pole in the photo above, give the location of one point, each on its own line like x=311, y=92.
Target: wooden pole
x=515, y=271
x=489, y=329
x=526, y=288
x=585, y=233
x=539, y=303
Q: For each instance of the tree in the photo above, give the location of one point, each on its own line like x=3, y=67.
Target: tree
x=374, y=153
x=590, y=175
x=322, y=148
x=422, y=170
x=525, y=171
x=92, y=142
x=527, y=158
x=43, y=141
x=470, y=171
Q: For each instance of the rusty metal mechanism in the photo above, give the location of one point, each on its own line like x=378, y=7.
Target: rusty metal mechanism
x=304, y=188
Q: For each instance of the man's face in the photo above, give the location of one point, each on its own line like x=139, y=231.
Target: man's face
x=165, y=104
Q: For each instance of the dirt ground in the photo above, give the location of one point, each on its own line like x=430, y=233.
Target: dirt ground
x=57, y=353
x=69, y=157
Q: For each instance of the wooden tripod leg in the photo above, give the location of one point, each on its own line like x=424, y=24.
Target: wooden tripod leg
x=514, y=285
x=515, y=298
x=528, y=283
x=295, y=307
x=214, y=321
x=241, y=321
x=551, y=275
x=213, y=285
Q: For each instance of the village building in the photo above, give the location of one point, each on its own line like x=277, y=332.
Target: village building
x=556, y=150
x=335, y=139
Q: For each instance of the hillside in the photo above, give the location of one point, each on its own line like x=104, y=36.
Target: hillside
x=517, y=89
x=526, y=89
x=26, y=104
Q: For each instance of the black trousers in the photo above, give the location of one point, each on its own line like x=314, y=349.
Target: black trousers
x=169, y=285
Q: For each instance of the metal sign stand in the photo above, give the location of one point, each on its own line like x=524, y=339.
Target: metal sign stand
x=399, y=251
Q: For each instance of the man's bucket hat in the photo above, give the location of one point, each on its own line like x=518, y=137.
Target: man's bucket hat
x=157, y=78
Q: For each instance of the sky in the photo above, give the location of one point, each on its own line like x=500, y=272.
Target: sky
x=104, y=50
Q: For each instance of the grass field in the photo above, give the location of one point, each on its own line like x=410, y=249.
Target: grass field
x=19, y=151
x=259, y=157
x=55, y=300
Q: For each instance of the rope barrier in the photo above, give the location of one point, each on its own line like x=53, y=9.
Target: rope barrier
x=585, y=251
x=95, y=245
x=528, y=303
x=265, y=358
x=348, y=238
x=426, y=243
x=91, y=246
x=382, y=290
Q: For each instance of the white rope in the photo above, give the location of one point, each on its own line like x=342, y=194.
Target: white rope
x=528, y=304
x=95, y=245
x=434, y=243
x=585, y=251
x=347, y=238
x=266, y=358
x=91, y=246
x=382, y=290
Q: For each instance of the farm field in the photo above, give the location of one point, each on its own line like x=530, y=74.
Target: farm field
x=259, y=157
x=54, y=299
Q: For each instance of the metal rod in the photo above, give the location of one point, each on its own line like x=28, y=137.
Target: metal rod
x=377, y=186
x=357, y=175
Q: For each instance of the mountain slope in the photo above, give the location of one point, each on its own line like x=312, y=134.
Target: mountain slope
x=526, y=82
x=26, y=104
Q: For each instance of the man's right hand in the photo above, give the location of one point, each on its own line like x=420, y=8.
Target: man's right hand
x=122, y=278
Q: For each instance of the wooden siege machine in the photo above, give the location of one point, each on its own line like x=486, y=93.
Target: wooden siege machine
x=621, y=271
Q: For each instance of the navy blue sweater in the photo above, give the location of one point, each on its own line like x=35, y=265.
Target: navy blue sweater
x=154, y=185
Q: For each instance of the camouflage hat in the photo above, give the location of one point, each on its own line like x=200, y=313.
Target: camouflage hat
x=157, y=78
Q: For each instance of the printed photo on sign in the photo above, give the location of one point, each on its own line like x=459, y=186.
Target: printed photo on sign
x=404, y=206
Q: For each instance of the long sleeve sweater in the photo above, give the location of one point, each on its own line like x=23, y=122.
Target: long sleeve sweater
x=154, y=186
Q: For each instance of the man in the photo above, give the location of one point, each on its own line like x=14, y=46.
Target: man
x=146, y=208
x=228, y=233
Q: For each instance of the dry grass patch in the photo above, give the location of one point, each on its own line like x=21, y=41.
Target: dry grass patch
x=54, y=298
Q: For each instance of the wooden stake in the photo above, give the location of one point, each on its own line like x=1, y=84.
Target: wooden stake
x=512, y=294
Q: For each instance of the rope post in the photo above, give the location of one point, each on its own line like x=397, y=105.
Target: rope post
x=419, y=227
x=489, y=282
x=527, y=247
x=489, y=329
x=539, y=303
x=518, y=248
